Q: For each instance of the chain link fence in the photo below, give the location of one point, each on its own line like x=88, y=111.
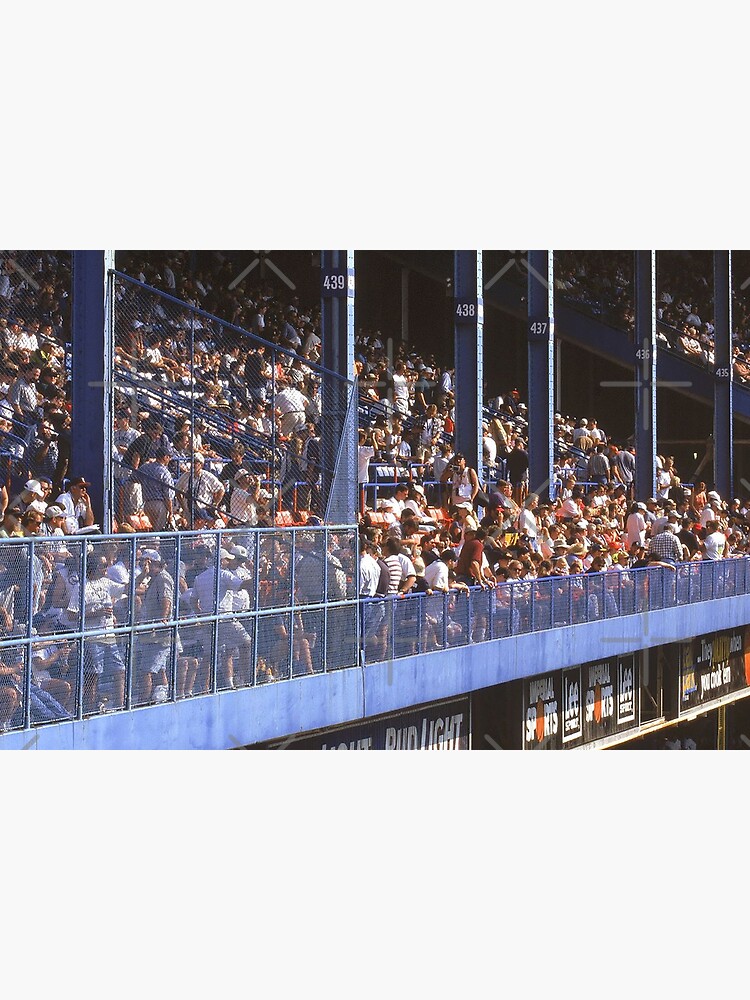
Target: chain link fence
x=100, y=624
x=241, y=420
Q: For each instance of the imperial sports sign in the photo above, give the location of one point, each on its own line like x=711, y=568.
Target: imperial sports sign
x=579, y=705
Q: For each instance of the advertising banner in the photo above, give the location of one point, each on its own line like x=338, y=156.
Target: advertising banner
x=579, y=705
x=712, y=667
x=441, y=726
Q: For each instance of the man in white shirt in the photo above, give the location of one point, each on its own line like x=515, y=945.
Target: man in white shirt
x=293, y=406
x=231, y=633
x=369, y=571
x=715, y=542
x=401, y=389
x=437, y=574
x=77, y=506
x=208, y=490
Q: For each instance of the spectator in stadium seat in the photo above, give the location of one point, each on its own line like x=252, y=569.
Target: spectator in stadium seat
x=76, y=503
x=598, y=469
x=100, y=652
x=517, y=462
x=153, y=648
x=665, y=545
x=44, y=449
x=232, y=635
x=31, y=493
x=714, y=545
x=206, y=490
x=247, y=501
x=23, y=395
x=157, y=487
x=293, y=407
x=464, y=482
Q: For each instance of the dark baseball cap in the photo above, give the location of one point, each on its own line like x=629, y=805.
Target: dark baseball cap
x=79, y=481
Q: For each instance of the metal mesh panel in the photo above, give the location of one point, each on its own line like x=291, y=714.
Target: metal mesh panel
x=153, y=666
x=194, y=670
x=274, y=568
x=542, y=594
x=706, y=580
x=627, y=593
x=308, y=643
x=104, y=669
x=235, y=654
x=341, y=637
x=433, y=622
x=595, y=599
x=375, y=624
x=54, y=671
x=480, y=615
x=15, y=572
x=13, y=666
x=561, y=600
x=579, y=586
x=406, y=625
x=274, y=648
x=457, y=624
x=249, y=404
x=640, y=591
x=505, y=616
x=342, y=490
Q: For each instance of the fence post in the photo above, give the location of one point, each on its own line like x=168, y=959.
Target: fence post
x=29, y=615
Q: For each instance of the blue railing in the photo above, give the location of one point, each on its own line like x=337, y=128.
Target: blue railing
x=395, y=627
x=168, y=616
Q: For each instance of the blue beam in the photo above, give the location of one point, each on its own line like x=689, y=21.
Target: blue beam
x=92, y=374
x=723, y=374
x=468, y=321
x=339, y=426
x=644, y=367
x=541, y=334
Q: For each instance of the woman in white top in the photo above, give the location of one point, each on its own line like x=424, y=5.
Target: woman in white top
x=635, y=526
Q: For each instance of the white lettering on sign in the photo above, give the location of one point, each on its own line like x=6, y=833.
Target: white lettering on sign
x=625, y=692
x=572, y=708
x=365, y=744
x=600, y=699
x=541, y=688
x=434, y=734
x=541, y=721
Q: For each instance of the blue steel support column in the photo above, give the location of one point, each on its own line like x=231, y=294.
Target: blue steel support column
x=92, y=378
x=723, y=375
x=541, y=334
x=337, y=335
x=645, y=373
x=468, y=319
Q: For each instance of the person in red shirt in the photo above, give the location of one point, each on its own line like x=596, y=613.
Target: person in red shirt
x=469, y=568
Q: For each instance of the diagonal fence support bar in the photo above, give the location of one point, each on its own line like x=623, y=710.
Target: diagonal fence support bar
x=338, y=438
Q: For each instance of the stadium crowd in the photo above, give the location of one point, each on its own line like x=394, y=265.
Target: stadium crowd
x=429, y=524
